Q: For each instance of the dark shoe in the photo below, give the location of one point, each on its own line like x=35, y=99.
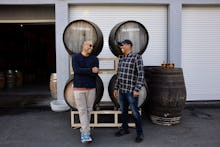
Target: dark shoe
x=121, y=132
x=139, y=138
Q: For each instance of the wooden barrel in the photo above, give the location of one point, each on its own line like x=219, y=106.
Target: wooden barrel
x=10, y=79
x=19, y=78
x=2, y=80
x=69, y=97
x=132, y=30
x=142, y=93
x=167, y=94
x=53, y=85
x=79, y=31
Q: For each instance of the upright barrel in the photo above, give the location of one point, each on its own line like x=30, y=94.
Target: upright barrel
x=142, y=93
x=19, y=78
x=10, y=79
x=167, y=94
x=69, y=97
x=53, y=85
x=78, y=31
x=2, y=80
x=132, y=30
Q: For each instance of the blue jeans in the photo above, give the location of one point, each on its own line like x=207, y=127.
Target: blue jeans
x=126, y=100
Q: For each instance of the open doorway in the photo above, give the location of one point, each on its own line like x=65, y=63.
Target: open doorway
x=27, y=50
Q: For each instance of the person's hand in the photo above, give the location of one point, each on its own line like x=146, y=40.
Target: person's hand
x=135, y=93
x=115, y=93
x=95, y=70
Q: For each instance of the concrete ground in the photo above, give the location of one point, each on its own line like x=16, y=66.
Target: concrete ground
x=41, y=127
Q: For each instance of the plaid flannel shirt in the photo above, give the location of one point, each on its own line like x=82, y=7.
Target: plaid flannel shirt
x=130, y=75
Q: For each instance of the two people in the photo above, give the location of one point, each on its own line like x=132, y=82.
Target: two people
x=130, y=79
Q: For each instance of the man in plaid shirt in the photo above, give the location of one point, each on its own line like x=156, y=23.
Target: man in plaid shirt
x=130, y=79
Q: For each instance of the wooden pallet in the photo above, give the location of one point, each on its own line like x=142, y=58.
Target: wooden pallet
x=97, y=120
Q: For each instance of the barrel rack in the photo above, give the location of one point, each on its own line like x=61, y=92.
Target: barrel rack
x=98, y=118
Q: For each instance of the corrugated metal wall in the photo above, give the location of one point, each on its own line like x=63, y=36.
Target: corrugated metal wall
x=154, y=18
x=201, y=51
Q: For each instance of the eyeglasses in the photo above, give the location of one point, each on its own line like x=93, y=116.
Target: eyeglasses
x=123, y=45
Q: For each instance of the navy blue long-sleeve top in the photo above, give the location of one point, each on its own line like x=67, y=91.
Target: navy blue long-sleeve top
x=82, y=68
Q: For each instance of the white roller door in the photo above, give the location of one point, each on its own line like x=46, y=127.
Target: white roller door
x=201, y=52
x=154, y=18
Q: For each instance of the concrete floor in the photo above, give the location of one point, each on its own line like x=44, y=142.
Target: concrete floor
x=41, y=127
x=26, y=96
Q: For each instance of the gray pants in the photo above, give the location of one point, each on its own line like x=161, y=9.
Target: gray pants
x=84, y=100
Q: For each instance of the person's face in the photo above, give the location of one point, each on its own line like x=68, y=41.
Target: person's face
x=88, y=47
x=125, y=48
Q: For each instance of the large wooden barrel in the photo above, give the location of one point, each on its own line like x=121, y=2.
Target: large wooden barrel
x=167, y=94
x=132, y=30
x=10, y=79
x=19, y=78
x=2, y=80
x=79, y=31
x=53, y=85
x=142, y=93
x=69, y=97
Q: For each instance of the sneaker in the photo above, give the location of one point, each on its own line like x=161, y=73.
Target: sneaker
x=139, y=138
x=89, y=138
x=85, y=138
x=121, y=132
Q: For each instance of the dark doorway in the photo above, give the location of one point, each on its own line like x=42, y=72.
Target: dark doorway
x=30, y=50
